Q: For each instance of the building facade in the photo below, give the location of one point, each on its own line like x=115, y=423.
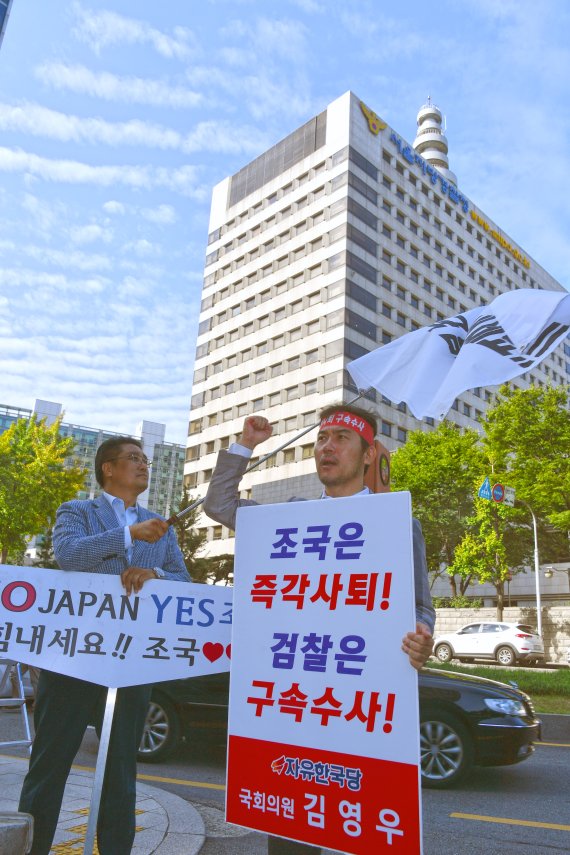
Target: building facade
x=166, y=473
x=338, y=239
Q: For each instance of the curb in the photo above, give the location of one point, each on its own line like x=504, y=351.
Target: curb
x=555, y=727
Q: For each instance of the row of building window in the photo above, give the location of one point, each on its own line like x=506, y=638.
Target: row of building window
x=284, y=425
x=279, y=314
x=254, y=233
x=289, y=393
x=251, y=211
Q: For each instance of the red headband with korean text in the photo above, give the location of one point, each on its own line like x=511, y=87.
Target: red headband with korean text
x=340, y=418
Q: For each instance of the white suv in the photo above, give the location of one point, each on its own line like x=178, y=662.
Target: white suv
x=506, y=643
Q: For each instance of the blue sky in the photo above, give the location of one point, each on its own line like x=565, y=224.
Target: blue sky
x=117, y=118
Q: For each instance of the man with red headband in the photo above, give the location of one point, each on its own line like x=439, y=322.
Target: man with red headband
x=344, y=450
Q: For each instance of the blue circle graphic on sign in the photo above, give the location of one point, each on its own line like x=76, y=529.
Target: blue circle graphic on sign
x=498, y=492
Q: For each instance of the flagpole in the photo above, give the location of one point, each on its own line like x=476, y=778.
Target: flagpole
x=196, y=504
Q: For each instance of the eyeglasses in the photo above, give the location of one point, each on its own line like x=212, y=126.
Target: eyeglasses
x=134, y=458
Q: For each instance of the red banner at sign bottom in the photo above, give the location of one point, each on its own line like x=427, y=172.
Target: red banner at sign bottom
x=357, y=805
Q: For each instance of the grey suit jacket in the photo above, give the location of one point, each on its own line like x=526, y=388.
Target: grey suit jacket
x=87, y=537
x=222, y=501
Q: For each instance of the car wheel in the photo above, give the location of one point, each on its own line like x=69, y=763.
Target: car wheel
x=161, y=731
x=444, y=652
x=446, y=750
x=505, y=656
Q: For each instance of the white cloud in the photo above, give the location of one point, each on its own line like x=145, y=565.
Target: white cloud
x=114, y=207
x=66, y=259
x=38, y=282
x=109, y=374
x=41, y=121
x=213, y=135
x=44, y=214
x=110, y=87
x=142, y=248
x=271, y=37
x=310, y=6
x=90, y=234
x=104, y=29
x=225, y=136
x=181, y=179
x=262, y=94
x=162, y=215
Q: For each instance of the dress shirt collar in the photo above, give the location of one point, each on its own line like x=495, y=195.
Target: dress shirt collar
x=113, y=502
x=363, y=492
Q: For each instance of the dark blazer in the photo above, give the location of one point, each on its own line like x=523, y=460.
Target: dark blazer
x=222, y=501
x=88, y=537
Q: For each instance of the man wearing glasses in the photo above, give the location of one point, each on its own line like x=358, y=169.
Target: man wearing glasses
x=110, y=534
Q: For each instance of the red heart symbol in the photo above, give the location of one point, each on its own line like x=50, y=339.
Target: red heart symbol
x=229, y=651
x=212, y=651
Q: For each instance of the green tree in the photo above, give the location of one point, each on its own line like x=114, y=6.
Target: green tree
x=527, y=439
x=213, y=570
x=526, y=445
x=191, y=539
x=45, y=556
x=439, y=468
x=34, y=481
x=494, y=546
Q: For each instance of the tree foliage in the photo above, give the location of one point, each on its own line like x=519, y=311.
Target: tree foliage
x=494, y=547
x=34, y=481
x=440, y=469
x=525, y=444
x=527, y=437
x=45, y=556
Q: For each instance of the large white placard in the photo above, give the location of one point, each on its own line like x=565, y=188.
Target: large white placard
x=323, y=732
x=84, y=625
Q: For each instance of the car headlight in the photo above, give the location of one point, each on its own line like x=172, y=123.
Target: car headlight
x=507, y=706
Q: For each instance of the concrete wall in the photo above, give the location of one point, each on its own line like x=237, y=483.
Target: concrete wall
x=555, y=624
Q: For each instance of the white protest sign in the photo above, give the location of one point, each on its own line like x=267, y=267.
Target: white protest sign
x=323, y=731
x=84, y=625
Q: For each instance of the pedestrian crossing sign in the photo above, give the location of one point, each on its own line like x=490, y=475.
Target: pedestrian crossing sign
x=485, y=490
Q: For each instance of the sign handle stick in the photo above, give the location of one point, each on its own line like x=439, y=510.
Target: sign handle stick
x=185, y=511
x=100, y=772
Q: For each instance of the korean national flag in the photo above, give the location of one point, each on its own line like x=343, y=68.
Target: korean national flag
x=430, y=367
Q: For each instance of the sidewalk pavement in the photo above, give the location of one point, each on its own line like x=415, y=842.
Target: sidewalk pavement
x=166, y=824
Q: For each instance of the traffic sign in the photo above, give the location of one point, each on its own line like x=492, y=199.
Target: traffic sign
x=498, y=492
x=485, y=489
x=509, y=497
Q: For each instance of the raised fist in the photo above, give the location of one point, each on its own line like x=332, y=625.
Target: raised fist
x=256, y=429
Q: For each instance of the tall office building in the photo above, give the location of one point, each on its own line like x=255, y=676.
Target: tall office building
x=338, y=239
x=165, y=485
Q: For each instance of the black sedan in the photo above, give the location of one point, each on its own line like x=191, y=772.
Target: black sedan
x=465, y=721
